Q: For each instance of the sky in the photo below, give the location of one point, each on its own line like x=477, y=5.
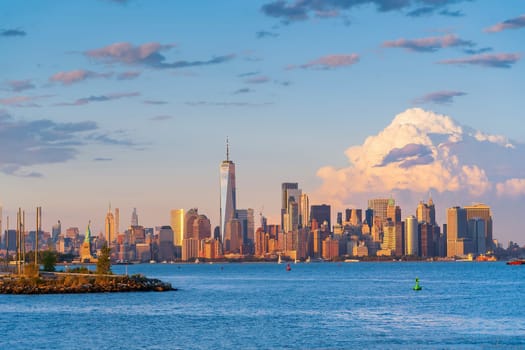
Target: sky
x=129, y=103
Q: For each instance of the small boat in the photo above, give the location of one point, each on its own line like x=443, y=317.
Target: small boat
x=288, y=267
x=351, y=260
x=516, y=262
x=486, y=258
x=197, y=261
x=279, y=261
x=307, y=259
x=152, y=261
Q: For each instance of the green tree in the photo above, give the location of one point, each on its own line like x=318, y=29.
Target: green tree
x=49, y=260
x=104, y=263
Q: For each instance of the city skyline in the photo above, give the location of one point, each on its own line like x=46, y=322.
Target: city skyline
x=352, y=102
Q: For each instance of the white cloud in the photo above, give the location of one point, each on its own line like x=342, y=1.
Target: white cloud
x=511, y=188
x=421, y=151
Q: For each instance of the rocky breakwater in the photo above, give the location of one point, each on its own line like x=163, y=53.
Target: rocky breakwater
x=68, y=283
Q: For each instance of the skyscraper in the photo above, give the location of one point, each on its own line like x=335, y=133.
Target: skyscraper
x=246, y=218
x=379, y=206
x=426, y=212
x=109, y=227
x=457, y=233
x=321, y=213
x=228, y=197
x=117, y=221
x=411, y=247
x=56, y=230
x=393, y=211
x=482, y=211
x=305, y=211
x=134, y=218
x=177, y=225
x=285, y=196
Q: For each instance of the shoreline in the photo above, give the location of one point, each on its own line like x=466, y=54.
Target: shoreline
x=80, y=283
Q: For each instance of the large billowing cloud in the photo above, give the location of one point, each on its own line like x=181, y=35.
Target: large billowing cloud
x=149, y=54
x=421, y=151
x=300, y=10
x=27, y=143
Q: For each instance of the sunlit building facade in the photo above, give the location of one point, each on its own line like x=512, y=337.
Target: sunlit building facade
x=109, y=227
x=177, y=225
x=228, y=192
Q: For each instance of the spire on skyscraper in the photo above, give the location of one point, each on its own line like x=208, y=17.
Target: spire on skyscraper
x=227, y=149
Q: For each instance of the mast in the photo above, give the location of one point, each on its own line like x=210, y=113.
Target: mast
x=38, y=229
x=227, y=149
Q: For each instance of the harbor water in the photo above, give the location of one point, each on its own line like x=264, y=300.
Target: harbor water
x=465, y=305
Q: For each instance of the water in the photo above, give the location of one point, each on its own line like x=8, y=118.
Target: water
x=261, y=306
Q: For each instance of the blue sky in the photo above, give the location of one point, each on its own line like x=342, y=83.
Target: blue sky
x=130, y=102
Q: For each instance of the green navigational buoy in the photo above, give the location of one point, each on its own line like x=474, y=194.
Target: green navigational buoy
x=417, y=286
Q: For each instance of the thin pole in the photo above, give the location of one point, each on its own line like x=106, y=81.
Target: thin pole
x=7, y=239
x=38, y=223
x=23, y=240
x=18, y=242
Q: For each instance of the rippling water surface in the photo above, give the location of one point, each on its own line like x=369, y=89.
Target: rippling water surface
x=262, y=306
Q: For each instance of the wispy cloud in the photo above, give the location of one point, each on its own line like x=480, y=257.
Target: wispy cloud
x=500, y=60
x=449, y=13
x=300, y=10
x=227, y=104
x=99, y=98
x=148, y=54
x=261, y=79
x=430, y=44
x=477, y=51
x=329, y=62
x=161, y=118
x=75, y=76
x=20, y=85
x=431, y=10
x=265, y=34
x=12, y=32
x=243, y=91
x=26, y=143
x=128, y=75
x=101, y=159
x=439, y=97
x=22, y=101
x=248, y=74
x=514, y=23
x=154, y=102
x=120, y=2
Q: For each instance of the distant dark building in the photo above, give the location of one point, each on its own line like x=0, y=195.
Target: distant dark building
x=369, y=217
x=10, y=239
x=321, y=213
x=339, y=218
x=348, y=214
